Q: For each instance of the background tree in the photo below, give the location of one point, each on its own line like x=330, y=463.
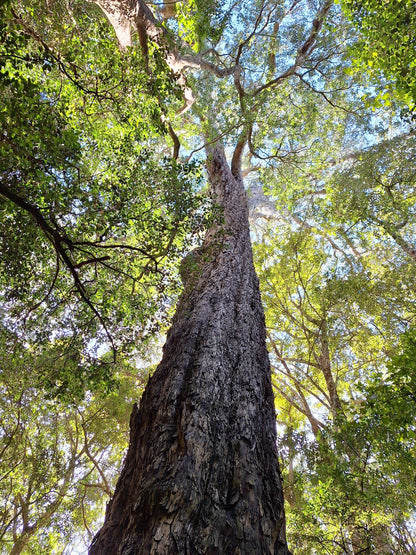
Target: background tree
x=91, y=220
x=58, y=458
x=338, y=291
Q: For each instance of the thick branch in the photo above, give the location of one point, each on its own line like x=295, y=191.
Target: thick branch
x=122, y=14
x=325, y=363
x=237, y=155
x=391, y=230
x=57, y=240
x=303, y=52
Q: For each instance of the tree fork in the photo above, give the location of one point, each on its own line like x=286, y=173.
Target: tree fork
x=201, y=474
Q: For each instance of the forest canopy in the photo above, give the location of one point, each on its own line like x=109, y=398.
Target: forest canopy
x=103, y=192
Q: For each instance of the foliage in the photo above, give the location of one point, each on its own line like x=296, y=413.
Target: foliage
x=362, y=480
x=199, y=20
x=392, y=394
x=58, y=458
x=387, y=45
x=349, y=483
x=337, y=275
x=93, y=221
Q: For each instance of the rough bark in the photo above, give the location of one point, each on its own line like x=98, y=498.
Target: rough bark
x=201, y=475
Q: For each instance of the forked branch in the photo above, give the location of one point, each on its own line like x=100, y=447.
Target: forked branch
x=303, y=52
x=125, y=14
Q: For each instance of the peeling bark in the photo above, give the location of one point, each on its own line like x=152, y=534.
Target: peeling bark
x=201, y=475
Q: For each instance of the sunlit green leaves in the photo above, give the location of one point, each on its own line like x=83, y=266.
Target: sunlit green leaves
x=199, y=20
x=94, y=216
x=387, y=45
x=59, y=459
x=338, y=272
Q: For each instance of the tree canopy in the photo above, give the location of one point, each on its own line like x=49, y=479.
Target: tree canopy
x=92, y=217
x=102, y=192
x=386, y=45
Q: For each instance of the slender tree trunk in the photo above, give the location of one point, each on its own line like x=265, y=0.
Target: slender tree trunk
x=398, y=238
x=201, y=475
x=324, y=361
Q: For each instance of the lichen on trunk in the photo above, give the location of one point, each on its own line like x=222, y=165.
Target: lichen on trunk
x=201, y=474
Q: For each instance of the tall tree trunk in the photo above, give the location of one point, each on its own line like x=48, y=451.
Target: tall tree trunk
x=201, y=475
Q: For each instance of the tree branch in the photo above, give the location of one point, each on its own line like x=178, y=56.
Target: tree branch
x=124, y=13
x=303, y=52
x=57, y=240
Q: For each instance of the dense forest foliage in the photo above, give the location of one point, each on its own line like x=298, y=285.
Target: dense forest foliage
x=103, y=192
